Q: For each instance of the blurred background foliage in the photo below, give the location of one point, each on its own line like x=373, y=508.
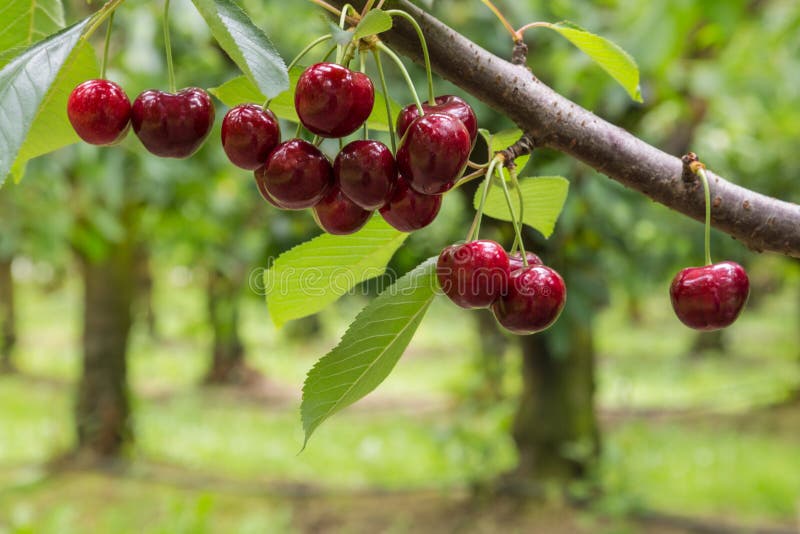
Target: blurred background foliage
x=699, y=426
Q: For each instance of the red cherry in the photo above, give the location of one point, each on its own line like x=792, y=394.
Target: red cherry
x=474, y=274
x=261, y=184
x=535, y=298
x=249, y=134
x=173, y=125
x=297, y=175
x=338, y=215
x=433, y=153
x=408, y=210
x=332, y=100
x=100, y=112
x=515, y=260
x=451, y=105
x=710, y=297
x=366, y=172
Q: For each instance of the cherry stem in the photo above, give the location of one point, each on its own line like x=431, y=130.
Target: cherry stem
x=106, y=44
x=100, y=17
x=473, y=165
x=512, y=171
x=367, y=6
x=363, y=65
x=389, y=52
x=514, y=220
x=475, y=227
x=343, y=54
x=530, y=25
x=702, y=174
x=502, y=19
x=329, y=52
x=385, y=89
x=423, y=43
x=468, y=178
x=299, y=131
x=328, y=7
x=168, y=47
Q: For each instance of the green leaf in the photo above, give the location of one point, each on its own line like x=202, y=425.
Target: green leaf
x=611, y=58
x=240, y=90
x=313, y=275
x=374, y=22
x=543, y=198
x=24, y=83
x=51, y=128
x=340, y=37
x=369, y=349
x=504, y=139
x=246, y=45
x=28, y=21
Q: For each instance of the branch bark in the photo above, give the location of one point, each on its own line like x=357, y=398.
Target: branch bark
x=760, y=222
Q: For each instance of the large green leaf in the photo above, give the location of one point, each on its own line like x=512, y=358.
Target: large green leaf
x=369, y=349
x=374, y=22
x=24, y=83
x=240, y=90
x=51, y=129
x=543, y=200
x=28, y=21
x=309, y=277
x=611, y=58
x=246, y=44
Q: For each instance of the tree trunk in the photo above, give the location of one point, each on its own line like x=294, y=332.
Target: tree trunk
x=102, y=411
x=493, y=344
x=706, y=343
x=144, y=289
x=227, y=364
x=8, y=326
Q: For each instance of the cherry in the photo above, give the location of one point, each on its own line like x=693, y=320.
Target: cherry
x=249, y=133
x=332, y=100
x=710, y=297
x=534, y=300
x=515, y=260
x=474, y=274
x=366, y=172
x=296, y=175
x=451, y=105
x=261, y=184
x=433, y=153
x=338, y=215
x=408, y=210
x=100, y=112
x=173, y=125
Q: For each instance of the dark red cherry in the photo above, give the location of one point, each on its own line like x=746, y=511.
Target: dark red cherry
x=296, y=175
x=451, y=105
x=366, y=172
x=249, y=134
x=534, y=300
x=408, y=210
x=262, y=188
x=474, y=274
x=710, y=297
x=338, y=215
x=515, y=260
x=332, y=100
x=173, y=125
x=100, y=112
x=433, y=153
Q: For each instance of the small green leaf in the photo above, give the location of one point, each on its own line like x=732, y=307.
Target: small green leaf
x=24, y=83
x=611, y=58
x=340, y=37
x=240, y=90
x=313, y=275
x=374, y=22
x=369, y=349
x=28, y=21
x=543, y=199
x=246, y=45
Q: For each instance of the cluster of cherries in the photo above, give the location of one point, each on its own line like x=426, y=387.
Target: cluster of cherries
x=525, y=299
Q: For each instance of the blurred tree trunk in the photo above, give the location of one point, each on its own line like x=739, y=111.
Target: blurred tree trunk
x=8, y=327
x=707, y=342
x=102, y=412
x=227, y=363
x=144, y=289
x=493, y=344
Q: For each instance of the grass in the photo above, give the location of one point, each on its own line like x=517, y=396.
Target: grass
x=209, y=460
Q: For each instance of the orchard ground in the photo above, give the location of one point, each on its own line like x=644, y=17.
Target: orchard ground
x=695, y=440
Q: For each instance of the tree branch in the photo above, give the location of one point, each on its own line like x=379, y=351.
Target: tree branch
x=550, y=120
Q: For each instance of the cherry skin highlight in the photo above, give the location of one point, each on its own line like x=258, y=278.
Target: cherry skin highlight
x=451, y=105
x=338, y=215
x=473, y=275
x=408, y=210
x=534, y=300
x=261, y=184
x=249, y=134
x=710, y=297
x=296, y=175
x=100, y=112
x=366, y=173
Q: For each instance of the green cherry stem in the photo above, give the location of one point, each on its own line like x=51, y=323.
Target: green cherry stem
x=367, y=6
x=363, y=68
x=428, y=72
x=106, y=44
x=389, y=52
x=328, y=54
x=168, y=47
x=385, y=89
x=101, y=16
x=299, y=131
x=300, y=56
x=515, y=182
x=475, y=227
x=702, y=174
x=514, y=219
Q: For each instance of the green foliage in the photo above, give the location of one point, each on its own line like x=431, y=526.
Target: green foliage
x=369, y=349
x=240, y=89
x=502, y=140
x=307, y=278
x=24, y=85
x=246, y=45
x=28, y=21
x=613, y=59
x=543, y=198
x=374, y=22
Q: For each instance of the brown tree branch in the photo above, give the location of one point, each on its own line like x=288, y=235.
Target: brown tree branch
x=760, y=222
